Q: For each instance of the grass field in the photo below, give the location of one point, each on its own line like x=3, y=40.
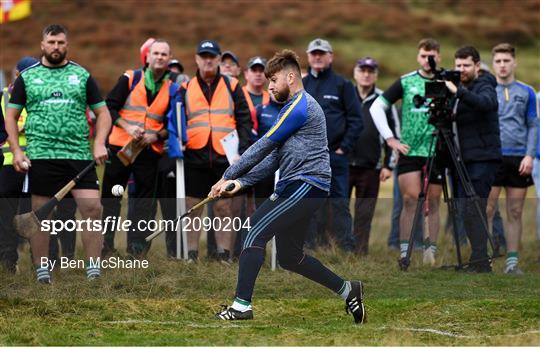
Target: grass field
x=172, y=303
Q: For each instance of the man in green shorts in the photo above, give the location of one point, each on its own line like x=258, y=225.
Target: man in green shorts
x=55, y=93
x=413, y=147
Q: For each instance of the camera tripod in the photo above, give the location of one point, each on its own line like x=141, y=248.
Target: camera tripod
x=447, y=146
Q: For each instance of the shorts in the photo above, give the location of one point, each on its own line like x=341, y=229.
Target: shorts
x=199, y=181
x=408, y=164
x=508, y=173
x=48, y=176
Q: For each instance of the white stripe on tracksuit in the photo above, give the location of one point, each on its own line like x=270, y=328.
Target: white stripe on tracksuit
x=275, y=213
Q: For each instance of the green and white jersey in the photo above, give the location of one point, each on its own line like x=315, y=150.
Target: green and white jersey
x=415, y=129
x=55, y=100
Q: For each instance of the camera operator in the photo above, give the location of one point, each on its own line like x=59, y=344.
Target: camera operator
x=480, y=145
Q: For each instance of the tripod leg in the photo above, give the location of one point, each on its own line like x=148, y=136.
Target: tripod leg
x=453, y=213
x=471, y=196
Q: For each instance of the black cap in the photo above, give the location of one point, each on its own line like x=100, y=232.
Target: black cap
x=230, y=55
x=177, y=63
x=208, y=46
x=256, y=61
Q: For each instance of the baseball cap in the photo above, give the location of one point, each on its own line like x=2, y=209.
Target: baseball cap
x=256, y=61
x=25, y=62
x=367, y=61
x=231, y=55
x=176, y=62
x=319, y=45
x=208, y=46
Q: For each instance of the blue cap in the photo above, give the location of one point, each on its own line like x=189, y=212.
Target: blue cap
x=209, y=46
x=367, y=61
x=25, y=63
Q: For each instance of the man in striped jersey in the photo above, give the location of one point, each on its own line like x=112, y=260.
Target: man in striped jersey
x=517, y=121
x=298, y=147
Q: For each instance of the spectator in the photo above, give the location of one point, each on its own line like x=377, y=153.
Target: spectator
x=341, y=106
x=177, y=72
x=138, y=103
x=367, y=167
x=243, y=204
x=11, y=181
x=517, y=122
x=230, y=65
x=215, y=106
x=536, y=173
x=267, y=115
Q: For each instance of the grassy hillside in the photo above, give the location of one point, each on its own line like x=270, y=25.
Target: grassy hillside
x=106, y=35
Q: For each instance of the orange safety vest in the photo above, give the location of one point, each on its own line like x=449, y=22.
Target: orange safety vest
x=252, y=110
x=209, y=121
x=136, y=112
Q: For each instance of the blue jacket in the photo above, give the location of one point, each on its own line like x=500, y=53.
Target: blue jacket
x=342, y=109
x=267, y=116
x=174, y=148
x=538, y=127
x=538, y=139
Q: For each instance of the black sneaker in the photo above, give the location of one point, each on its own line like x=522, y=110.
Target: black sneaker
x=45, y=281
x=193, y=256
x=228, y=313
x=355, y=302
x=403, y=263
x=478, y=268
x=224, y=258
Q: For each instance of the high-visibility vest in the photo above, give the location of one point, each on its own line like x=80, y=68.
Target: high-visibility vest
x=209, y=121
x=8, y=156
x=252, y=109
x=137, y=112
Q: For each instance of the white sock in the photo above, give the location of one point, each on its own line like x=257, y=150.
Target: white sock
x=241, y=305
x=403, y=246
x=345, y=290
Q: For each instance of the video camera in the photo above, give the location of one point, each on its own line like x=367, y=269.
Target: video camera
x=438, y=98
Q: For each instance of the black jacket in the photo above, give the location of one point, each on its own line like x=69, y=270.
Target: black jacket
x=478, y=121
x=366, y=152
x=339, y=101
x=3, y=133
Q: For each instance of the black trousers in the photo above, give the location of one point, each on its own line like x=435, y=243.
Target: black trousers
x=11, y=196
x=482, y=176
x=167, y=199
x=145, y=171
x=286, y=217
x=366, y=182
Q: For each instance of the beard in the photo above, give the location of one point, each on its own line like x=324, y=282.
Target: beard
x=55, y=57
x=283, y=95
